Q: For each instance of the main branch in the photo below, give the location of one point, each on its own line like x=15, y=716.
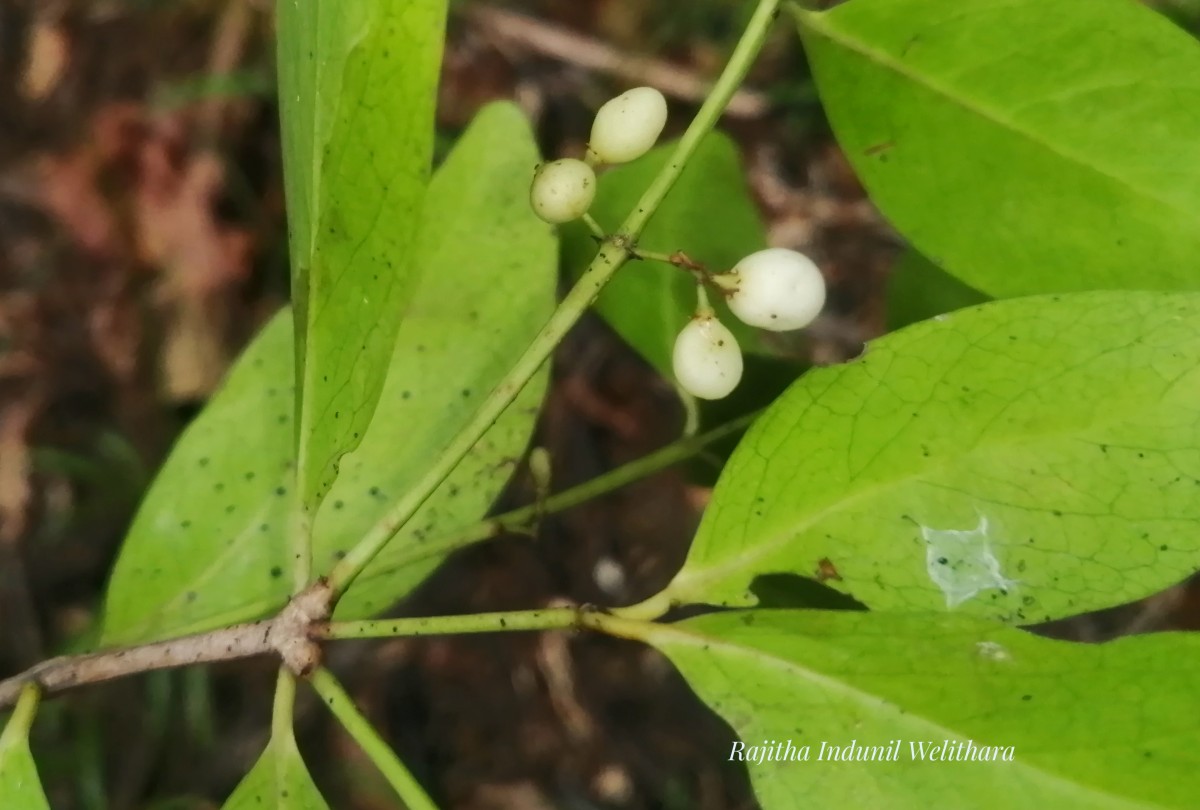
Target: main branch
x=68, y=671
x=287, y=634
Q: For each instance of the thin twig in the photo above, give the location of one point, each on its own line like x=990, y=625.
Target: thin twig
x=286, y=634
x=577, y=49
x=232, y=35
x=510, y=621
x=248, y=640
x=69, y=671
x=523, y=518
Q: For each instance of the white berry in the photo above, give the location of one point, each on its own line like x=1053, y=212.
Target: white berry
x=562, y=190
x=627, y=126
x=776, y=289
x=707, y=360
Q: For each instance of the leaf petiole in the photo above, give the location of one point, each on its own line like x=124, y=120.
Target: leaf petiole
x=373, y=745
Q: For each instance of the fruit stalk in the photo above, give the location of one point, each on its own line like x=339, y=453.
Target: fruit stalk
x=613, y=254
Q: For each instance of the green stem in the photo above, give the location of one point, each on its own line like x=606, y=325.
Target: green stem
x=621, y=624
x=285, y=702
x=678, y=260
x=635, y=629
x=519, y=519
x=625, y=474
x=359, y=727
x=507, y=621
x=21, y=720
x=594, y=227
x=656, y=256
x=613, y=254
x=691, y=411
x=735, y=70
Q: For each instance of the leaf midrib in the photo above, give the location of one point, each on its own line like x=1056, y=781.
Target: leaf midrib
x=709, y=643
x=818, y=23
x=742, y=559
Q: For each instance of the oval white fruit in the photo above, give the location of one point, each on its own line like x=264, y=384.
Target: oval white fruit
x=776, y=289
x=627, y=126
x=562, y=190
x=707, y=360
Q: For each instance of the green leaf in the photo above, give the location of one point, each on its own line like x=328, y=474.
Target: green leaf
x=1025, y=460
x=708, y=214
x=357, y=87
x=208, y=545
x=20, y=787
x=918, y=289
x=278, y=780
x=1023, y=145
x=490, y=288
x=1090, y=726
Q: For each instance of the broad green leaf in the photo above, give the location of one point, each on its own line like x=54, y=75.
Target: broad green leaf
x=20, y=787
x=489, y=286
x=1027, y=460
x=1094, y=727
x=357, y=87
x=208, y=545
x=708, y=214
x=918, y=289
x=278, y=781
x=1023, y=145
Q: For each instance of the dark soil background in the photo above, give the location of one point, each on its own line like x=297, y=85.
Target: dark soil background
x=142, y=244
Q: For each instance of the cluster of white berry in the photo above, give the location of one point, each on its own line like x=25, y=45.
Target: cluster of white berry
x=624, y=129
x=775, y=289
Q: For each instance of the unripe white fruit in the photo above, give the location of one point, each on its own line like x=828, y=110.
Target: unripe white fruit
x=562, y=190
x=776, y=289
x=628, y=125
x=707, y=360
